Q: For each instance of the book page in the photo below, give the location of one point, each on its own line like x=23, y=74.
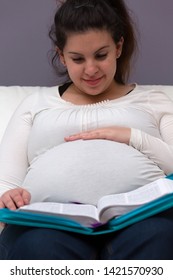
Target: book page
x=124, y=202
x=108, y=206
x=81, y=213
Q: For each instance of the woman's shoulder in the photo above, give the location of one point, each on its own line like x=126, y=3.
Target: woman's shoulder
x=42, y=93
x=39, y=95
x=155, y=97
x=153, y=92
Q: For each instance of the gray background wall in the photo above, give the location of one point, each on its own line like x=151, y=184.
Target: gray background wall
x=24, y=42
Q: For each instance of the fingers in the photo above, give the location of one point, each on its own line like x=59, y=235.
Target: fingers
x=2, y=205
x=73, y=137
x=96, y=134
x=11, y=200
x=101, y=133
x=2, y=225
x=117, y=134
x=7, y=202
x=26, y=196
x=15, y=198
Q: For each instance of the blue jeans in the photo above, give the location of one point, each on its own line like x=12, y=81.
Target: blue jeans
x=150, y=239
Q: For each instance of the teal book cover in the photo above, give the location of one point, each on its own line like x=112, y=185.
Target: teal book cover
x=50, y=221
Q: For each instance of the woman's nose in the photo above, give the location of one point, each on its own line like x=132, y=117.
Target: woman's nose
x=91, y=68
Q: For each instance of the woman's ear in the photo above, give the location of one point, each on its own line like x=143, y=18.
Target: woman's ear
x=119, y=47
x=61, y=56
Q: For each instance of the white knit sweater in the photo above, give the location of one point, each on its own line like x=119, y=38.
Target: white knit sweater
x=34, y=155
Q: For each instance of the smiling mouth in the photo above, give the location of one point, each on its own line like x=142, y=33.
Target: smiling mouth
x=93, y=82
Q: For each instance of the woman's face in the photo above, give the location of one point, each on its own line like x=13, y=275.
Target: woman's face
x=91, y=60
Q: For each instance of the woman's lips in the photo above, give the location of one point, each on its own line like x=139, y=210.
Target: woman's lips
x=93, y=82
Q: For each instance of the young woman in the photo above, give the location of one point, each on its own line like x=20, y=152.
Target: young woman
x=92, y=136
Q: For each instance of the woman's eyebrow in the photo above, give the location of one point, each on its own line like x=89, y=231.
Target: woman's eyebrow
x=75, y=53
x=102, y=48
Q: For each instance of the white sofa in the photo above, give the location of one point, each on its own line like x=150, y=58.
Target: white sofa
x=11, y=96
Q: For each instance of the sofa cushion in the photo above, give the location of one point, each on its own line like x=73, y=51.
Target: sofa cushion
x=10, y=98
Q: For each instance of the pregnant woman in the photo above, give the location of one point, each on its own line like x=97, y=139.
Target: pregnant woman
x=92, y=136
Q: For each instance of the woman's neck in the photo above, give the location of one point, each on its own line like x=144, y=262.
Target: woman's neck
x=75, y=96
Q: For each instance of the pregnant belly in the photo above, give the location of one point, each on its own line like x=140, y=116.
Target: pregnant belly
x=84, y=171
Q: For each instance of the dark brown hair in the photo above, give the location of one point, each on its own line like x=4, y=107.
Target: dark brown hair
x=74, y=16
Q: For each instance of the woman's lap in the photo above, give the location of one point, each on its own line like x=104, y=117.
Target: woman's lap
x=43, y=243
x=148, y=239
x=151, y=239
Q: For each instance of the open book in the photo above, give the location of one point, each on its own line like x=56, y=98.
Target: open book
x=108, y=207
x=112, y=213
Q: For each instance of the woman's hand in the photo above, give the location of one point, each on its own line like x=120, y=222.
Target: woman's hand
x=114, y=133
x=15, y=198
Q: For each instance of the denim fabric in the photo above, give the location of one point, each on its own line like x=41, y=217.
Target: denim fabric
x=25, y=243
x=150, y=239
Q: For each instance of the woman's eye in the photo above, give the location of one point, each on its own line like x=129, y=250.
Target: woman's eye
x=101, y=56
x=78, y=59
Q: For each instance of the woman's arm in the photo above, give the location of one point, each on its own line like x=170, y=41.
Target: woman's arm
x=13, y=149
x=158, y=150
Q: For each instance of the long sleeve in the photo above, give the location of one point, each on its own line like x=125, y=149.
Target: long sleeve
x=158, y=150
x=13, y=149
